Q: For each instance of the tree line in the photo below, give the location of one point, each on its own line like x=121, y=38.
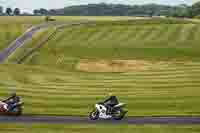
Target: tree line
x=103, y=9
x=10, y=11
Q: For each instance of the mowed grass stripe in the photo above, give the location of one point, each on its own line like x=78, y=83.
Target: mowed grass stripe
x=133, y=85
x=121, y=90
x=129, y=40
x=68, y=94
x=76, y=93
x=143, y=33
x=87, y=38
x=127, y=76
x=157, y=36
x=59, y=37
x=110, y=76
x=125, y=79
x=125, y=34
x=96, y=36
x=184, y=33
x=169, y=33
x=125, y=87
x=104, y=39
x=84, y=33
x=191, y=33
x=151, y=31
x=72, y=35
x=112, y=36
x=175, y=34
x=196, y=34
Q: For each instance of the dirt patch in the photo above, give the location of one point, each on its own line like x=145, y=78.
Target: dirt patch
x=119, y=65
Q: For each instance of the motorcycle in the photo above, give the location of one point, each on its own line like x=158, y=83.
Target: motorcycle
x=5, y=108
x=101, y=111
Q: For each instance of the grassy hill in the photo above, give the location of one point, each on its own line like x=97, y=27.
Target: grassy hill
x=152, y=65
x=140, y=39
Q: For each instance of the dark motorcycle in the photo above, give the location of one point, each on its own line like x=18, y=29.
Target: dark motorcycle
x=11, y=106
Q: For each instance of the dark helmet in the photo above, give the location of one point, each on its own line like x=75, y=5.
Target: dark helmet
x=13, y=94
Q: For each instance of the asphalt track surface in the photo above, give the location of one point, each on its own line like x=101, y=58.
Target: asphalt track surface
x=84, y=120
x=20, y=41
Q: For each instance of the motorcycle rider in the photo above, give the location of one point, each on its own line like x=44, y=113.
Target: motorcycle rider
x=13, y=101
x=111, y=102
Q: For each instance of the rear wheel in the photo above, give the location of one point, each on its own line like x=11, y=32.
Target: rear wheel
x=119, y=114
x=94, y=115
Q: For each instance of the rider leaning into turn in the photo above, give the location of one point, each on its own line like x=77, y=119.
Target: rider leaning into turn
x=13, y=101
x=111, y=102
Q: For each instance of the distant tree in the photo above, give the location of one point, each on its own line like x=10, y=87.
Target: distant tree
x=36, y=12
x=104, y=9
x=9, y=11
x=1, y=10
x=43, y=11
x=195, y=9
x=17, y=11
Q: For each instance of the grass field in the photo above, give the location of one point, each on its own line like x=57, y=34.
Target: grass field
x=11, y=26
x=152, y=65
x=169, y=90
x=20, y=20
x=41, y=128
x=146, y=40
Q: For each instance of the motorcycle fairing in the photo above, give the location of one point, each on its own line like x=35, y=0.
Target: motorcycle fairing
x=119, y=105
x=102, y=111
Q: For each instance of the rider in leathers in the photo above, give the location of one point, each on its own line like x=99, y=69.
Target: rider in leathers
x=111, y=102
x=13, y=101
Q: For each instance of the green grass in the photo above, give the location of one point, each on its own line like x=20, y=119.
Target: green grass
x=20, y=20
x=135, y=39
x=95, y=18
x=41, y=128
x=51, y=84
x=168, y=90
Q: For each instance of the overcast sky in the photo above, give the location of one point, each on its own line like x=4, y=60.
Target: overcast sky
x=29, y=5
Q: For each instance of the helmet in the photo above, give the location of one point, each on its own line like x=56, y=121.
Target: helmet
x=13, y=94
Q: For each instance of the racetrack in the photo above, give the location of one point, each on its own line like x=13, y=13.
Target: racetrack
x=20, y=41
x=85, y=120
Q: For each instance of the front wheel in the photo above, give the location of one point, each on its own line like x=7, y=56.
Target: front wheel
x=94, y=115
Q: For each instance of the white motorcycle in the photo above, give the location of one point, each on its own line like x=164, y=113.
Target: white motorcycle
x=102, y=112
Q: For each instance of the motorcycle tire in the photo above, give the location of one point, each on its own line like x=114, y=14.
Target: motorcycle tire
x=94, y=115
x=119, y=115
